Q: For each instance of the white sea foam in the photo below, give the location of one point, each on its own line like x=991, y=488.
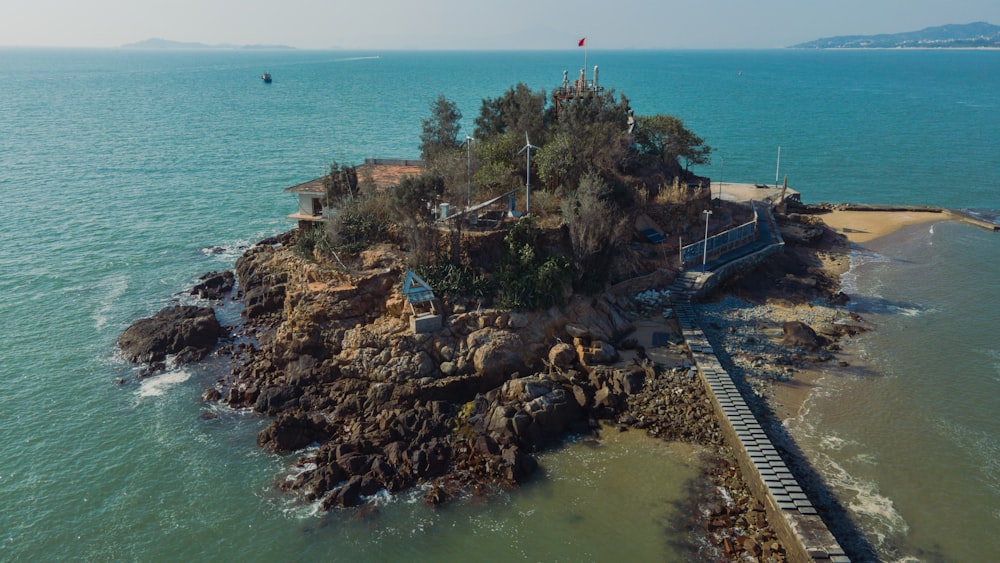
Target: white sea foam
x=157, y=385
x=114, y=289
x=862, y=497
x=227, y=252
x=865, y=501
x=831, y=442
x=995, y=356
x=858, y=258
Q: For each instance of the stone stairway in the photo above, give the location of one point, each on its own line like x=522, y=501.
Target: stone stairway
x=685, y=288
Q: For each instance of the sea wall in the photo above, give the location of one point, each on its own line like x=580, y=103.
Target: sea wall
x=789, y=511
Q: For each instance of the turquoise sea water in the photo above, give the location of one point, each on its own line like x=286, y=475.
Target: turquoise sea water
x=127, y=174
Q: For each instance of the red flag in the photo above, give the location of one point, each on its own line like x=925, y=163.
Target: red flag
x=582, y=41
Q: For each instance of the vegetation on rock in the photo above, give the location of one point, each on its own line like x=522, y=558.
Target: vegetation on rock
x=595, y=169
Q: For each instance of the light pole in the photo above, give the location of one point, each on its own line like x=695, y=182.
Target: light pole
x=468, y=169
x=704, y=256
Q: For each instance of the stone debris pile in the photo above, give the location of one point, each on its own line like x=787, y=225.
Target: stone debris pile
x=653, y=302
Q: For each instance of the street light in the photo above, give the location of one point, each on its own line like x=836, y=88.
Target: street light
x=704, y=257
x=468, y=169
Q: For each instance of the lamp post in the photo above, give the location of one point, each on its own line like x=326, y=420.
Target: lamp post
x=468, y=169
x=704, y=256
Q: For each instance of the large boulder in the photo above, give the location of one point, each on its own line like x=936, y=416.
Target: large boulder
x=168, y=332
x=498, y=353
x=796, y=334
x=293, y=430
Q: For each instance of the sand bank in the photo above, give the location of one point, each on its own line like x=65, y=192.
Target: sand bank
x=865, y=226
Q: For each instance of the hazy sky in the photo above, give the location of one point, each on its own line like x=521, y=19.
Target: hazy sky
x=458, y=24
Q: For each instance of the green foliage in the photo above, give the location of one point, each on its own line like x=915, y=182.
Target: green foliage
x=592, y=135
x=340, y=183
x=358, y=230
x=413, y=200
x=518, y=111
x=449, y=278
x=665, y=137
x=440, y=130
x=310, y=240
x=412, y=203
x=557, y=163
x=596, y=227
x=499, y=170
x=527, y=278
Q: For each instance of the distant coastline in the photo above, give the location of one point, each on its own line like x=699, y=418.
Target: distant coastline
x=157, y=43
x=976, y=35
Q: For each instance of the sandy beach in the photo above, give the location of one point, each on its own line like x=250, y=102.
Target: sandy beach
x=864, y=226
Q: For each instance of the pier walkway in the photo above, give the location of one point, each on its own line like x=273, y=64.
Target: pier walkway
x=795, y=519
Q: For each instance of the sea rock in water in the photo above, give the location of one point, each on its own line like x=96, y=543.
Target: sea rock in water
x=170, y=331
x=214, y=285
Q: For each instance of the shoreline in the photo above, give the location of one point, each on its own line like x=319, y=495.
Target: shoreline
x=750, y=326
x=859, y=227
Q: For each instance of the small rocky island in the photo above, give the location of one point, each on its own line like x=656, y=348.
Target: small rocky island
x=548, y=323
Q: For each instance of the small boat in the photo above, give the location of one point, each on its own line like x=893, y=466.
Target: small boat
x=266, y=77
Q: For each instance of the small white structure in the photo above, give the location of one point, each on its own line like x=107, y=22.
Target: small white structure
x=377, y=173
x=312, y=198
x=418, y=292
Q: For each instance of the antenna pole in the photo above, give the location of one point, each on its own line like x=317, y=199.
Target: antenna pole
x=527, y=179
x=777, y=167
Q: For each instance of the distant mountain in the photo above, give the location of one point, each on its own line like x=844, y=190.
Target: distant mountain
x=970, y=35
x=157, y=43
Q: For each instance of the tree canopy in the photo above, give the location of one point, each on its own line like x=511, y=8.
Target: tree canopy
x=440, y=130
x=665, y=137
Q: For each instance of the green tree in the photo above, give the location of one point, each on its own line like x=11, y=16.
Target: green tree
x=596, y=228
x=665, y=137
x=519, y=110
x=557, y=163
x=340, y=183
x=499, y=171
x=596, y=131
x=413, y=202
x=440, y=130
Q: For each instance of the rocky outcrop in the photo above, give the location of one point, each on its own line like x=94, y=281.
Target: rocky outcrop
x=214, y=285
x=188, y=331
x=462, y=409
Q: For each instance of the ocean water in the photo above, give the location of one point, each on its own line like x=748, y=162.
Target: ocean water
x=127, y=174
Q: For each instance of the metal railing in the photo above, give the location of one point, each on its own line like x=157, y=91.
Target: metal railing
x=720, y=243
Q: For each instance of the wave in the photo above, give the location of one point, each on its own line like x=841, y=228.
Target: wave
x=157, y=385
x=875, y=512
x=227, y=252
x=859, y=258
x=115, y=288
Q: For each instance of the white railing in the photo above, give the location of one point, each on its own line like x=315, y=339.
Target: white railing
x=719, y=244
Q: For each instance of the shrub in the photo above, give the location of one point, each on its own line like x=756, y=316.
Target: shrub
x=527, y=278
x=449, y=278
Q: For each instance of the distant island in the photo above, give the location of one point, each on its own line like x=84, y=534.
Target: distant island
x=977, y=35
x=157, y=43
